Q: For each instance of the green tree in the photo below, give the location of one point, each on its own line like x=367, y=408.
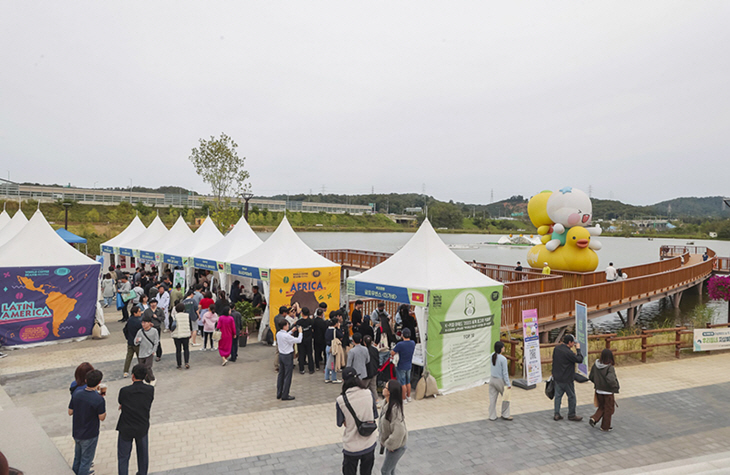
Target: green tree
x=92, y=215
x=445, y=215
x=218, y=164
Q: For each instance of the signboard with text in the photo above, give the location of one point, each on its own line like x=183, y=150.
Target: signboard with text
x=533, y=365
x=707, y=339
x=581, y=334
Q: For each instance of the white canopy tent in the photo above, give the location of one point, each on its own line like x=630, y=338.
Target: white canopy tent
x=13, y=227
x=240, y=240
x=4, y=219
x=425, y=273
x=181, y=254
x=112, y=246
x=57, y=281
x=154, y=231
x=285, y=251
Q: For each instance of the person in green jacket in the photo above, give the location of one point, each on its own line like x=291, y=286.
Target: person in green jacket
x=603, y=375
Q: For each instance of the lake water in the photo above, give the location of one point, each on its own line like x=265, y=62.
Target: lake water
x=623, y=252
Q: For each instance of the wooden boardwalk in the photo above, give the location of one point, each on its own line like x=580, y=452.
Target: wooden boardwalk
x=554, y=296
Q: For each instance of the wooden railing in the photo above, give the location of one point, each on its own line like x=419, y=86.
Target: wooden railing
x=722, y=264
x=562, y=303
x=579, y=279
x=609, y=338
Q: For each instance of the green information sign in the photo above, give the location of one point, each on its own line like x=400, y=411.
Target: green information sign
x=463, y=325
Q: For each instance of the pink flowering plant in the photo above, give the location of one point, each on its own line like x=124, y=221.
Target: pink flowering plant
x=719, y=289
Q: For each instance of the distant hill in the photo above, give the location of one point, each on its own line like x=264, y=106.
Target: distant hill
x=707, y=207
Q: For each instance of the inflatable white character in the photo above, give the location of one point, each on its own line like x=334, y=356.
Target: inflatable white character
x=567, y=208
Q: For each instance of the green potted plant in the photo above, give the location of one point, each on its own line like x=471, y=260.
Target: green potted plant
x=247, y=317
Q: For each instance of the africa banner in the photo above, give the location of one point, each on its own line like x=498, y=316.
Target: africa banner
x=308, y=287
x=463, y=325
x=47, y=303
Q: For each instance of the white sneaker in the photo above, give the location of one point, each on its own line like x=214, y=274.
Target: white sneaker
x=405, y=401
x=196, y=344
x=153, y=382
x=409, y=399
x=337, y=381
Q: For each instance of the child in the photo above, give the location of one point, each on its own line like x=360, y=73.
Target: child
x=210, y=319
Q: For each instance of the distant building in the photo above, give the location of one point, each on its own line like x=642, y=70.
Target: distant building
x=414, y=210
x=45, y=194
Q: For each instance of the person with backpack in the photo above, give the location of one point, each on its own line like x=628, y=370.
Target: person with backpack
x=133, y=325
x=392, y=424
x=603, y=376
x=357, y=413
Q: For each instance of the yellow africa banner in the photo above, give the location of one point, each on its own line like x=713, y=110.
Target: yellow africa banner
x=308, y=287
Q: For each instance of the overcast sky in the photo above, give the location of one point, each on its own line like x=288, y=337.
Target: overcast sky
x=457, y=98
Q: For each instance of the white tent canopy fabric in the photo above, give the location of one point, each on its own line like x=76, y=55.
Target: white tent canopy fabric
x=283, y=250
x=133, y=231
x=240, y=240
x=37, y=244
x=4, y=219
x=425, y=263
x=177, y=234
x=154, y=231
x=206, y=235
x=13, y=227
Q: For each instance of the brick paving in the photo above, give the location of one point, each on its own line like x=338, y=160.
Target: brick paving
x=213, y=419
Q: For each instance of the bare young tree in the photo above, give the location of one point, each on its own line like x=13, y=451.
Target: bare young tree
x=218, y=164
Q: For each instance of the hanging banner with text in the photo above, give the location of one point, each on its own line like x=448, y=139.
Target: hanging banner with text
x=711, y=339
x=533, y=365
x=47, y=303
x=179, y=278
x=581, y=334
x=463, y=325
x=307, y=287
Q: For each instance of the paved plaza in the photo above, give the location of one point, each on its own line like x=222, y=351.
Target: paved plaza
x=214, y=419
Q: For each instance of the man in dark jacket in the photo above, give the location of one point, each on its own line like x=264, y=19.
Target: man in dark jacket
x=564, y=361
x=320, y=328
x=158, y=318
x=238, y=320
x=305, y=347
x=135, y=402
x=134, y=324
x=372, y=377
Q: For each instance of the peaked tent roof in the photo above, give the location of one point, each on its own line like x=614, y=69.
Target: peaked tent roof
x=426, y=263
x=205, y=236
x=240, y=240
x=70, y=237
x=37, y=244
x=4, y=219
x=283, y=250
x=154, y=231
x=177, y=233
x=13, y=227
x=134, y=230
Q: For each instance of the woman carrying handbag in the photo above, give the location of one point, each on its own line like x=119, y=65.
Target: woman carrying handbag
x=392, y=424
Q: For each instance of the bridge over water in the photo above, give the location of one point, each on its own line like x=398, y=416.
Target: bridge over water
x=679, y=269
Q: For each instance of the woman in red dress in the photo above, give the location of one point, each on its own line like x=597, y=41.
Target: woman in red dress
x=227, y=327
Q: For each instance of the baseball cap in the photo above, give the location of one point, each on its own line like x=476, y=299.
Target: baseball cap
x=348, y=372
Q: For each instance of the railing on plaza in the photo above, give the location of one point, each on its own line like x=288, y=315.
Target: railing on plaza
x=609, y=339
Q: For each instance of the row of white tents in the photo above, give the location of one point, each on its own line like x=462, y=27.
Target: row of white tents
x=458, y=309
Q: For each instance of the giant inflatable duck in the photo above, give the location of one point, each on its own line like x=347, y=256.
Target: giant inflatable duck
x=554, y=215
x=576, y=255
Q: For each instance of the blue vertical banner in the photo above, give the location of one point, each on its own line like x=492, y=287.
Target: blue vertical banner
x=581, y=334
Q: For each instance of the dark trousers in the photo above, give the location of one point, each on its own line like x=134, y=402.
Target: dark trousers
x=124, y=451
x=319, y=357
x=147, y=362
x=234, y=350
x=606, y=407
x=125, y=312
x=182, y=344
x=569, y=390
x=349, y=463
x=283, y=383
x=305, y=356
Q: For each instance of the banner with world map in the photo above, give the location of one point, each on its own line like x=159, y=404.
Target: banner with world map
x=40, y=304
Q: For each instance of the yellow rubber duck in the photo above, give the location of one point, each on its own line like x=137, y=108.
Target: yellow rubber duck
x=537, y=210
x=574, y=256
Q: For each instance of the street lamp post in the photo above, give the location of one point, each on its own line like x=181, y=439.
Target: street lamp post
x=66, y=206
x=246, y=196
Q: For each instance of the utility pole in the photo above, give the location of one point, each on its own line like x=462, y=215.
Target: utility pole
x=491, y=196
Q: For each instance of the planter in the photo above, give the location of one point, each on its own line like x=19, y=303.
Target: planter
x=243, y=340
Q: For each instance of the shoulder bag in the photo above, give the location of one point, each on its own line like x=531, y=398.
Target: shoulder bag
x=363, y=428
x=550, y=388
